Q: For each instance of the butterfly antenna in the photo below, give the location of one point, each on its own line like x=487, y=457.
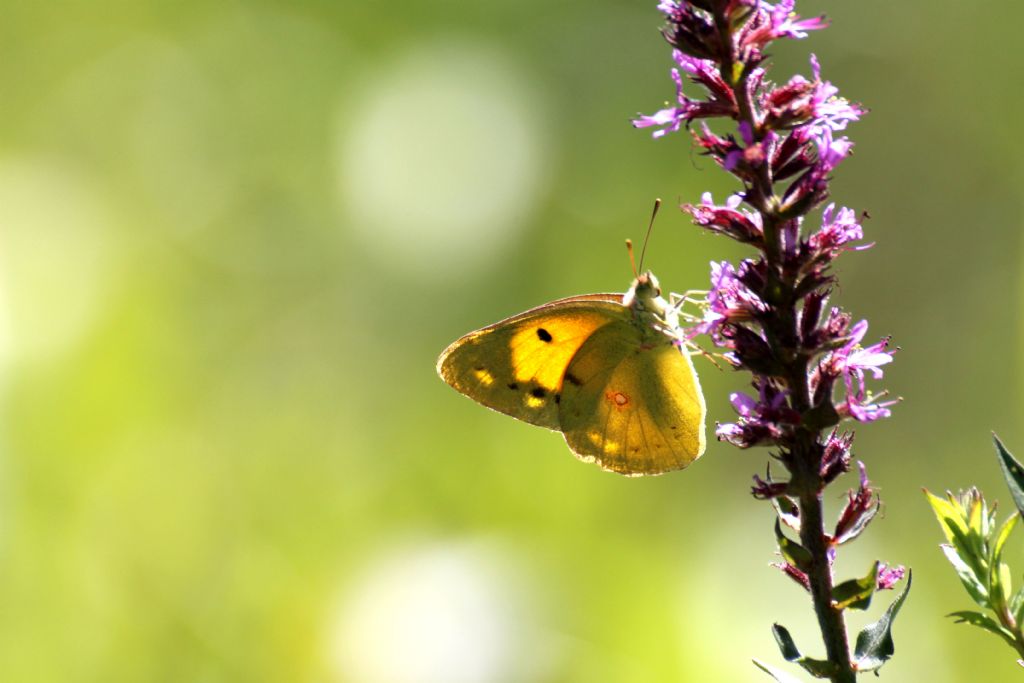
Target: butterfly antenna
x=647, y=237
x=632, y=261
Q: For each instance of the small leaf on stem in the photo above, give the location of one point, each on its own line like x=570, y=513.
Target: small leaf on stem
x=975, y=588
x=794, y=553
x=790, y=652
x=1013, y=471
x=874, y=644
x=777, y=674
x=856, y=593
x=788, y=511
x=816, y=667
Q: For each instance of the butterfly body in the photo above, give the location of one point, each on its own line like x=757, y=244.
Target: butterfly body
x=607, y=370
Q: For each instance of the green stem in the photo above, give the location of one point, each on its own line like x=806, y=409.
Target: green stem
x=831, y=621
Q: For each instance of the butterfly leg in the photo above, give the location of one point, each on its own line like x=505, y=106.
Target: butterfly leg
x=696, y=297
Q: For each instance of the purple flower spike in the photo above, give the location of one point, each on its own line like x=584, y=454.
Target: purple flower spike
x=781, y=141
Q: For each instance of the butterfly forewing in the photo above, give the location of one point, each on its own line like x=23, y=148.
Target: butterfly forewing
x=631, y=407
x=516, y=366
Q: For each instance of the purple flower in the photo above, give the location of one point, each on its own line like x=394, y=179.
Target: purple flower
x=827, y=108
x=729, y=300
x=705, y=72
x=671, y=119
x=813, y=102
x=767, y=488
x=851, y=362
x=774, y=22
x=889, y=576
x=861, y=507
x=670, y=8
x=836, y=231
x=835, y=457
x=792, y=572
x=785, y=23
x=742, y=161
x=761, y=421
x=812, y=187
x=728, y=219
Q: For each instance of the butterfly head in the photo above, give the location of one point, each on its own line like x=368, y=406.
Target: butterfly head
x=645, y=286
x=645, y=300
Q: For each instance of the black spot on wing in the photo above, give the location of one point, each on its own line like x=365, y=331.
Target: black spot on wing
x=513, y=386
x=544, y=335
x=573, y=379
x=538, y=392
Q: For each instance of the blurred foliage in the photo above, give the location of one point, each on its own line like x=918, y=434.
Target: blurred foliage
x=235, y=236
x=975, y=549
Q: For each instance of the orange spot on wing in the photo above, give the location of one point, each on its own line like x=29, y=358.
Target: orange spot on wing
x=617, y=399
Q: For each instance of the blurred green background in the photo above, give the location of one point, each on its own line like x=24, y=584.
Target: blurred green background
x=235, y=236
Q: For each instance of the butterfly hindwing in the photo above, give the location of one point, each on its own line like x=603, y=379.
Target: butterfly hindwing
x=516, y=366
x=633, y=408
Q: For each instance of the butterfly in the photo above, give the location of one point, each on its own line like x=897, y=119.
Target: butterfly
x=609, y=371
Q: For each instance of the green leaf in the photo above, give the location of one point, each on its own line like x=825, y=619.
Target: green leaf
x=793, y=552
x=777, y=674
x=1017, y=605
x=816, y=667
x=787, y=647
x=1001, y=586
x=976, y=518
x=856, y=593
x=946, y=511
x=964, y=521
x=973, y=552
x=986, y=622
x=1004, y=533
x=968, y=577
x=874, y=643
x=1013, y=471
x=999, y=579
x=788, y=511
x=819, y=668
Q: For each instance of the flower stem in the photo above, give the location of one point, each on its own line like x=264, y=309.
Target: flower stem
x=819, y=574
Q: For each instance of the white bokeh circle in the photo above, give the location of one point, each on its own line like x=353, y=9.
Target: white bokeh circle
x=441, y=160
x=442, y=612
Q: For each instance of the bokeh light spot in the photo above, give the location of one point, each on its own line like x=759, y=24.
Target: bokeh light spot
x=441, y=162
x=436, y=613
x=54, y=257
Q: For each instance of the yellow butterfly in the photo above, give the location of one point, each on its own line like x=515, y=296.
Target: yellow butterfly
x=609, y=371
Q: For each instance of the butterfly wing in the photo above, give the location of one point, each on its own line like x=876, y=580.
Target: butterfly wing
x=516, y=366
x=630, y=407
